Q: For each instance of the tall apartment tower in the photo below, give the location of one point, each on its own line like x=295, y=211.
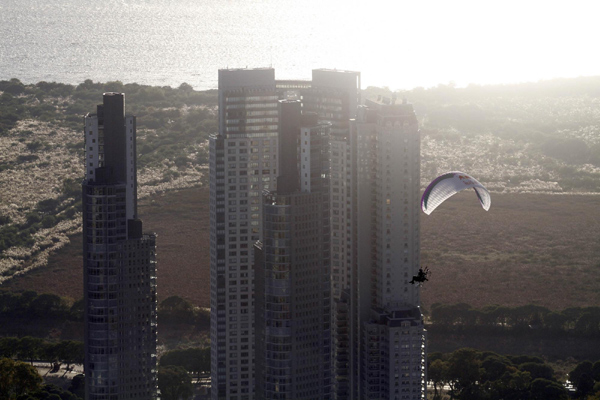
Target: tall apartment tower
x=292, y=269
x=377, y=317
x=243, y=163
x=119, y=263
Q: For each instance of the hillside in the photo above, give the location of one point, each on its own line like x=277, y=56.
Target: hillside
x=41, y=157
x=529, y=138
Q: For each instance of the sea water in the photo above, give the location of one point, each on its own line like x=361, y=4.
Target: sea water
x=395, y=43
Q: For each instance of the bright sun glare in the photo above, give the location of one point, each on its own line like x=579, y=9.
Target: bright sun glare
x=479, y=42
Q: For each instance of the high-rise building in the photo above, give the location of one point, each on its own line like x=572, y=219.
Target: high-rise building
x=119, y=263
x=292, y=269
x=379, y=337
x=243, y=163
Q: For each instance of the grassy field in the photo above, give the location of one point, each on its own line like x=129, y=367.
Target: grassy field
x=181, y=221
x=528, y=249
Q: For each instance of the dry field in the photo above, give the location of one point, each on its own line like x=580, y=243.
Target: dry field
x=528, y=249
x=181, y=221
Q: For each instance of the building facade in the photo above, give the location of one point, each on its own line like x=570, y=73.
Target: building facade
x=243, y=163
x=379, y=337
x=292, y=268
x=119, y=263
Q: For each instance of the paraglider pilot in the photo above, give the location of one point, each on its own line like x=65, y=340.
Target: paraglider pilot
x=421, y=276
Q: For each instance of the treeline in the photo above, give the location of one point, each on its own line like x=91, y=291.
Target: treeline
x=51, y=309
x=480, y=375
x=35, y=349
x=176, y=310
x=194, y=360
x=582, y=321
x=32, y=307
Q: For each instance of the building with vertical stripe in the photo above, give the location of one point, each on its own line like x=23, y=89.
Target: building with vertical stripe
x=119, y=263
x=292, y=268
x=379, y=336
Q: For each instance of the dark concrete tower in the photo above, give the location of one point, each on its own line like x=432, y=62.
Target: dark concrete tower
x=119, y=263
x=292, y=267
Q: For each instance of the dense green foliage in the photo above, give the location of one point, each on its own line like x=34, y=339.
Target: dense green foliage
x=476, y=375
x=51, y=392
x=174, y=383
x=193, y=359
x=31, y=306
x=37, y=309
x=176, y=310
x=579, y=321
x=35, y=349
x=17, y=379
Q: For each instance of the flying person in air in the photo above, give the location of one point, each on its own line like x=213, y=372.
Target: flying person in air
x=421, y=276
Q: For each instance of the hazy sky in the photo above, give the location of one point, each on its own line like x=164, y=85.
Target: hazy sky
x=481, y=41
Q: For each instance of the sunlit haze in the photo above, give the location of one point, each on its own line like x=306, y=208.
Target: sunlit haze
x=393, y=43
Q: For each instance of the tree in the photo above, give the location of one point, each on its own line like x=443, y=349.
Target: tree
x=24, y=301
x=193, y=360
x=538, y=370
x=175, y=309
x=48, y=306
x=186, y=87
x=464, y=373
x=596, y=395
x=174, y=383
x=17, y=379
x=518, y=360
x=50, y=392
x=77, y=309
x=8, y=347
x=588, y=323
x=583, y=368
x=495, y=367
x=585, y=386
x=543, y=389
x=70, y=352
x=555, y=321
x=50, y=352
x=77, y=386
x=29, y=348
x=596, y=371
x=511, y=386
x=436, y=373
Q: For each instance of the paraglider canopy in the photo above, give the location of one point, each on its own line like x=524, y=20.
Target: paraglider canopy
x=446, y=185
